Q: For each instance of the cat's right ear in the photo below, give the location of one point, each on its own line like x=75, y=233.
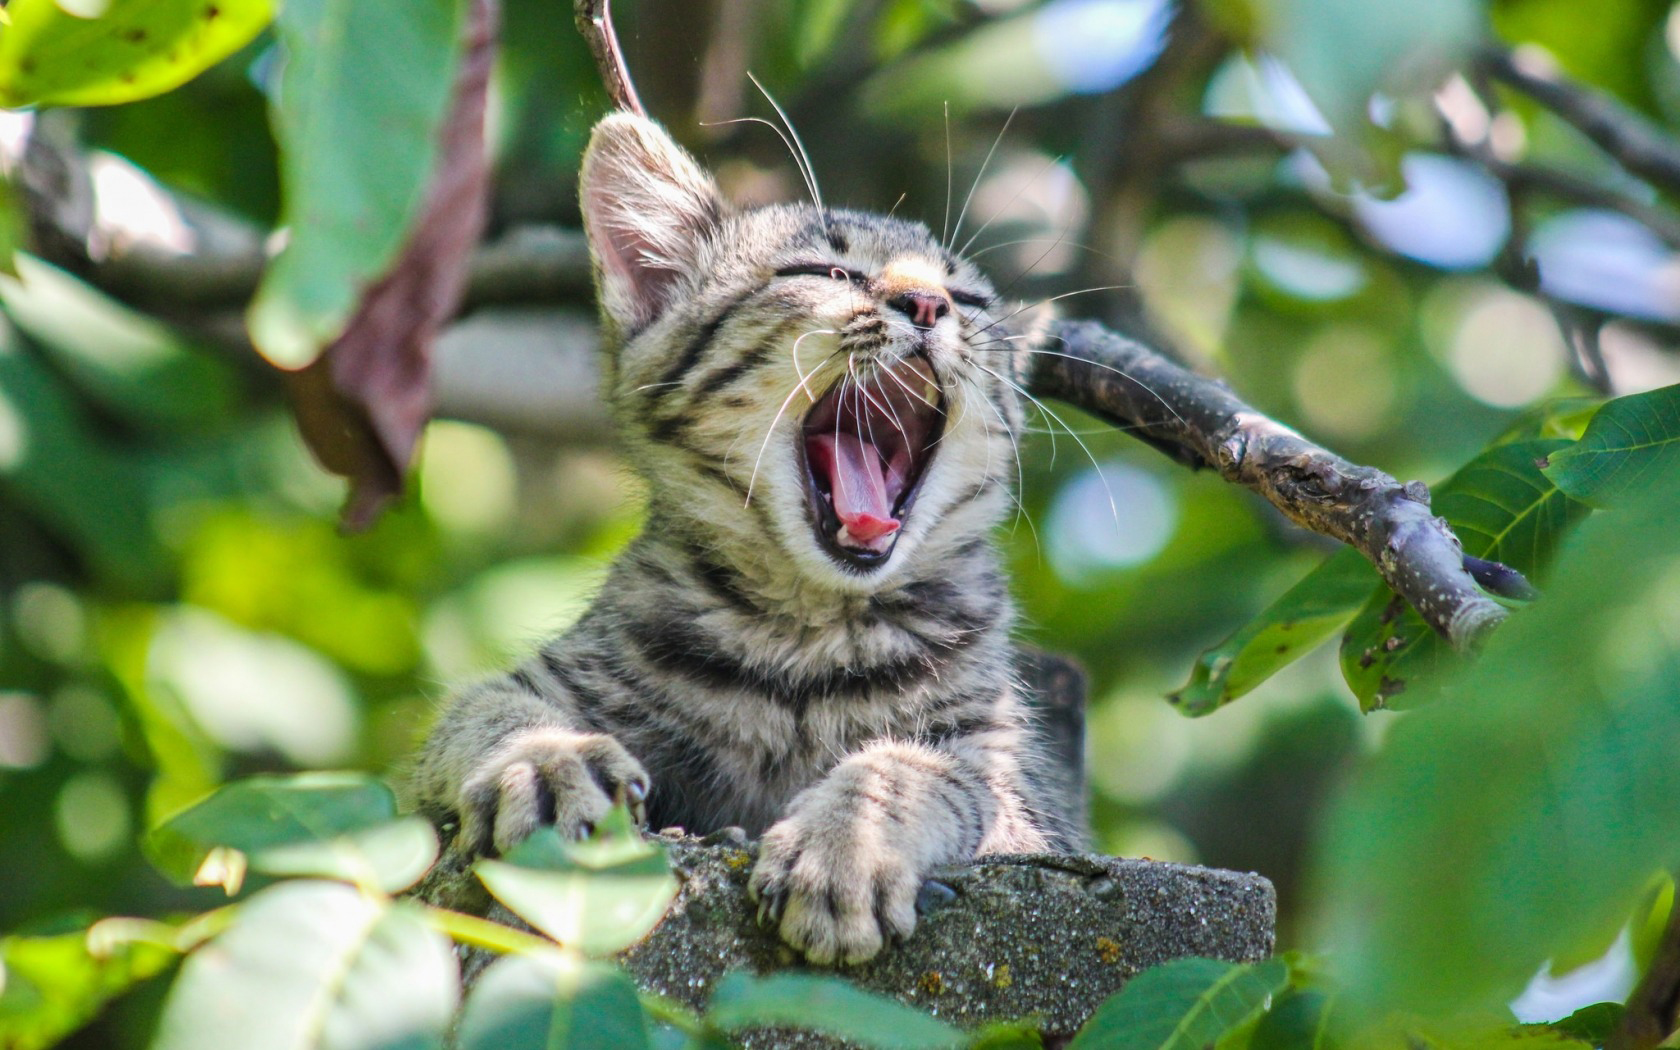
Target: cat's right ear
x=647, y=207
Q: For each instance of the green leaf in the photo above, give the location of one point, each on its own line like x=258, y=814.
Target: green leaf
x=14, y=228
x=364, y=93
x=314, y=964
x=1629, y=440
x=530, y=1003
x=54, y=465
x=1343, y=51
x=1503, y=509
x=336, y=825
x=597, y=897
x=828, y=1005
x=51, y=986
x=1299, y=1021
x=135, y=49
x=132, y=366
x=1591, y=1024
x=1182, y=1005
x=1522, y=816
x=1302, y=618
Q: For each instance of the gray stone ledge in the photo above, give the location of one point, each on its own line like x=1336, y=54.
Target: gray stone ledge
x=1043, y=936
x=1047, y=936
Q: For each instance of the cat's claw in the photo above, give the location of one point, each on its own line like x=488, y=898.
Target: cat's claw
x=547, y=777
x=832, y=899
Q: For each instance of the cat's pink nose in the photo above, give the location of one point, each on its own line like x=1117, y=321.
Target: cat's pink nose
x=923, y=308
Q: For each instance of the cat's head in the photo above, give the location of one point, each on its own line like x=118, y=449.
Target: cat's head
x=830, y=386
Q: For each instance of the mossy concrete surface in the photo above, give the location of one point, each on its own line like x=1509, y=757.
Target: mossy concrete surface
x=1047, y=936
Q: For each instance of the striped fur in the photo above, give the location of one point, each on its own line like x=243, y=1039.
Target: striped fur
x=865, y=722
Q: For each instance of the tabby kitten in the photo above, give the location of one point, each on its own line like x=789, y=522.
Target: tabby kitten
x=810, y=639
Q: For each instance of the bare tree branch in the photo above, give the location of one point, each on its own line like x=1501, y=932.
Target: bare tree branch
x=1653, y=1010
x=1201, y=423
x=594, y=22
x=1624, y=135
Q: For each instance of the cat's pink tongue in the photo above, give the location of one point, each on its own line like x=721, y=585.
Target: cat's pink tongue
x=858, y=482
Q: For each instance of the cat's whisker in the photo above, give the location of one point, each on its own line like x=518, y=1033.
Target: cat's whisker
x=945, y=231
x=803, y=157
x=894, y=376
x=810, y=186
x=894, y=209
x=1042, y=407
x=1045, y=302
x=981, y=175
x=752, y=481
x=1020, y=479
x=1052, y=241
x=1018, y=278
x=1122, y=373
x=799, y=370
x=1025, y=185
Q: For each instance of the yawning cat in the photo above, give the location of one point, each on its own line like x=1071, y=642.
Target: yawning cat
x=811, y=637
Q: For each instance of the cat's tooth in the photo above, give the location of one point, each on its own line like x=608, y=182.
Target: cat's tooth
x=930, y=392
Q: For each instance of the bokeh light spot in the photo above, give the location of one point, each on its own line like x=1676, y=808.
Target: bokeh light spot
x=1093, y=46
x=1345, y=382
x=1088, y=534
x=92, y=816
x=1506, y=351
x=50, y=622
x=84, y=724
x=1452, y=214
x=467, y=478
x=253, y=691
x=23, y=731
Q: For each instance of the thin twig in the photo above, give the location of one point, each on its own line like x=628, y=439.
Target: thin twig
x=1202, y=423
x=1624, y=135
x=1653, y=1010
x=594, y=22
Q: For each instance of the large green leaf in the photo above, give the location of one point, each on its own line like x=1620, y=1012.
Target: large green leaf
x=130, y=365
x=135, y=49
x=1300, y=620
x=828, y=1005
x=1629, y=441
x=1503, y=509
x=597, y=897
x=55, y=466
x=1343, y=51
x=315, y=965
x=529, y=1003
x=364, y=93
x=50, y=986
x=1300, y=1020
x=337, y=825
x=1186, y=1004
x=1523, y=817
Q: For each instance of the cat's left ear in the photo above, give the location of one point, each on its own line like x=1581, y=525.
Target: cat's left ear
x=647, y=207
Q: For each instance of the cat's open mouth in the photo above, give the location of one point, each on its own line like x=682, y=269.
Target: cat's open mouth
x=866, y=446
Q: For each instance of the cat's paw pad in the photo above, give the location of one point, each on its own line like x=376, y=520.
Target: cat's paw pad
x=833, y=895
x=543, y=777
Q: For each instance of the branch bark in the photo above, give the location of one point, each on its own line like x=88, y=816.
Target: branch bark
x=1624, y=135
x=1653, y=1010
x=1201, y=423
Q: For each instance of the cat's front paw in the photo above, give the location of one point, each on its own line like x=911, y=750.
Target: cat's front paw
x=542, y=777
x=836, y=889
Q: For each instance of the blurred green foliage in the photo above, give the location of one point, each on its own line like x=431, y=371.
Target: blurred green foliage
x=177, y=609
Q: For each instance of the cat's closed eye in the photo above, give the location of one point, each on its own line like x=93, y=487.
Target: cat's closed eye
x=838, y=273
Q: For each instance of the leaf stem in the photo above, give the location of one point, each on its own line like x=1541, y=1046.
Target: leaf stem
x=482, y=933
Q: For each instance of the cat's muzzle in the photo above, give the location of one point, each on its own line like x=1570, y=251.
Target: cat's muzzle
x=866, y=445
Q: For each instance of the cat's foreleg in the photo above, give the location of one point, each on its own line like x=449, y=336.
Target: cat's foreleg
x=508, y=757
x=839, y=873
